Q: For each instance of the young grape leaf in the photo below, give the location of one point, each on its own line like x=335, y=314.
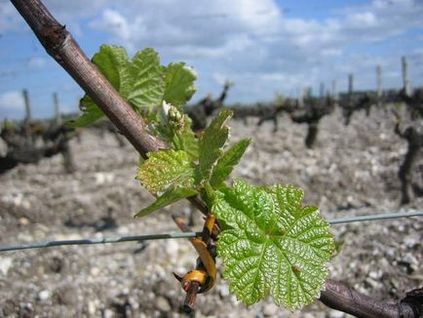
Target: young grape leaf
x=148, y=83
x=272, y=244
x=339, y=245
x=179, y=80
x=170, y=196
x=175, y=128
x=112, y=62
x=166, y=168
x=91, y=113
x=212, y=142
x=141, y=81
x=186, y=140
x=227, y=162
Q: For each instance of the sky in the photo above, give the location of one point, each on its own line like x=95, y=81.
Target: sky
x=263, y=46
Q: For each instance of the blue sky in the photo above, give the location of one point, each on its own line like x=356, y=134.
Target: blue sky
x=262, y=46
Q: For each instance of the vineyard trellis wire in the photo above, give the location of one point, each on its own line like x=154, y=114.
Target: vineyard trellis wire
x=180, y=235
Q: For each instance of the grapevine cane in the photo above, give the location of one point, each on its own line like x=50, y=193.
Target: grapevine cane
x=63, y=48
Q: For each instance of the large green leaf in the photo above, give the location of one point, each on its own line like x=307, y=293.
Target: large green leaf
x=227, y=162
x=272, y=244
x=148, y=82
x=179, y=80
x=141, y=81
x=212, y=142
x=166, y=168
x=113, y=63
x=170, y=196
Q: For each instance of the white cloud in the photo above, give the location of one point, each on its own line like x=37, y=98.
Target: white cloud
x=362, y=20
x=11, y=100
x=66, y=12
x=253, y=42
x=210, y=28
x=206, y=27
x=115, y=23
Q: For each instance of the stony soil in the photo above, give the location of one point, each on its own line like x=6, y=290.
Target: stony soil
x=351, y=171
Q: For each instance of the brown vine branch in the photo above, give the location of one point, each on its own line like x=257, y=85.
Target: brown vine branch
x=60, y=44
x=341, y=297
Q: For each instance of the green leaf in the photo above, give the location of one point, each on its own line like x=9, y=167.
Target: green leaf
x=170, y=196
x=113, y=63
x=227, y=162
x=339, y=245
x=212, y=142
x=175, y=128
x=179, y=81
x=141, y=81
x=91, y=113
x=207, y=194
x=272, y=244
x=185, y=139
x=148, y=83
x=166, y=168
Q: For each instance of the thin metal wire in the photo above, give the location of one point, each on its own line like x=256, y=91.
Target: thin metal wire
x=376, y=217
x=103, y=240
x=180, y=235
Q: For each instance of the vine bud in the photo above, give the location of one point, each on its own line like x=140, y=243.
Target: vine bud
x=175, y=118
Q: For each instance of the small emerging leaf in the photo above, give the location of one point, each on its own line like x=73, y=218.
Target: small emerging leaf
x=166, y=168
x=272, y=244
x=227, y=162
x=175, y=129
x=212, y=142
x=170, y=196
x=339, y=245
x=91, y=113
x=186, y=140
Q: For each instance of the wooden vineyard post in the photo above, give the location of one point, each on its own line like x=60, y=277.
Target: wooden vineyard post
x=308, y=92
x=379, y=89
x=335, y=91
x=57, y=115
x=28, y=115
x=301, y=98
x=350, y=84
x=405, y=79
x=322, y=90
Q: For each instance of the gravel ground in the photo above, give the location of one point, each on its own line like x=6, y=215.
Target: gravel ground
x=351, y=171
